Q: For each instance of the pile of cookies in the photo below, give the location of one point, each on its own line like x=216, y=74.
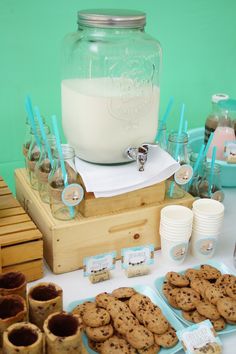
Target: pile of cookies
x=203, y=294
x=125, y=321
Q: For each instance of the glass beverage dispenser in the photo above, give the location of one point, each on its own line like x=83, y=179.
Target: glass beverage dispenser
x=110, y=87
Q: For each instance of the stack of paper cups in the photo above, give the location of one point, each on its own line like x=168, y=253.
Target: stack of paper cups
x=175, y=231
x=208, y=216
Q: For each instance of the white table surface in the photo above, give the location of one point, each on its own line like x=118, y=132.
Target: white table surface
x=76, y=287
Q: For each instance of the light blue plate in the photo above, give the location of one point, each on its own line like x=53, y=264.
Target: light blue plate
x=145, y=290
x=220, y=266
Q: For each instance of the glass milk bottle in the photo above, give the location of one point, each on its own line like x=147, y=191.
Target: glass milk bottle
x=208, y=188
x=56, y=183
x=213, y=118
x=178, y=149
x=110, y=86
x=225, y=131
x=44, y=167
x=34, y=155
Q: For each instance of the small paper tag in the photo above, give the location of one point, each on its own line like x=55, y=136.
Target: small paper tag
x=200, y=338
x=72, y=194
x=206, y=246
x=134, y=256
x=183, y=175
x=230, y=151
x=99, y=263
x=178, y=252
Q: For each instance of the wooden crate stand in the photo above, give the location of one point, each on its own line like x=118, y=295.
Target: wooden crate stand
x=21, y=243
x=66, y=243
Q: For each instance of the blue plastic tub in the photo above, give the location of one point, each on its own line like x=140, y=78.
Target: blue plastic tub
x=228, y=171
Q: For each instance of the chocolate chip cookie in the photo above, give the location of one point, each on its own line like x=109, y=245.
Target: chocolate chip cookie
x=96, y=317
x=140, y=337
x=187, y=299
x=99, y=334
x=177, y=279
x=227, y=308
x=208, y=310
x=166, y=340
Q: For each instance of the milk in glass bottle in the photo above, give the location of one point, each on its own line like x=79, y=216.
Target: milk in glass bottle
x=110, y=88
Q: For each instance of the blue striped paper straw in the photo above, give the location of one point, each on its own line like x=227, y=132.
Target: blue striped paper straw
x=164, y=118
x=197, y=163
x=213, y=159
x=44, y=136
x=29, y=110
x=60, y=153
x=208, y=145
x=180, y=129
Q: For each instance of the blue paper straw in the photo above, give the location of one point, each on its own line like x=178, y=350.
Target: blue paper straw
x=29, y=110
x=213, y=159
x=197, y=163
x=208, y=145
x=180, y=129
x=164, y=118
x=60, y=153
x=185, y=126
x=41, y=126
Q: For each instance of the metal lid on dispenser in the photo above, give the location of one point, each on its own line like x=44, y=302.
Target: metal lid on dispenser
x=116, y=18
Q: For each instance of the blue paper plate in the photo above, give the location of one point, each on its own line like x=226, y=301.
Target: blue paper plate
x=145, y=290
x=220, y=266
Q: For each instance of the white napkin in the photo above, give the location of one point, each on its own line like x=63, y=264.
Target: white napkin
x=111, y=180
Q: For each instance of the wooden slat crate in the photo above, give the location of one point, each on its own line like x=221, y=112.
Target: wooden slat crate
x=21, y=243
x=66, y=243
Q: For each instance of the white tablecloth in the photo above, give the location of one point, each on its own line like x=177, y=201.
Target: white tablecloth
x=76, y=287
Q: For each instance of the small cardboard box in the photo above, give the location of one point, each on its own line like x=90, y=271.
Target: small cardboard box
x=21, y=243
x=66, y=243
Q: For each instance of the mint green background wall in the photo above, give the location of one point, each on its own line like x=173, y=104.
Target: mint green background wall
x=198, y=38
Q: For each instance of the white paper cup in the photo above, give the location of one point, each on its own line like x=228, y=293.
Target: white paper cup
x=173, y=252
x=177, y=231
x=209, y=207
x=176, y=215
x=173, y=236
x=203, y=247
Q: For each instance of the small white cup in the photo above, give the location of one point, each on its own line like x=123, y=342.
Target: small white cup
x=176, y=215
x=173, y=252
x=203, y=247
x=208, y=207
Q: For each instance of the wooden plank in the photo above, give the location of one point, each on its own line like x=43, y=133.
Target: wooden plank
x=19, y=237
x=0, y=259
x=5, y=191
x=11, y=220
x=33, y=270
x=20, y=253
x=11, y=212
x=24, y=226
x=1, y=179
x=2, y=184
x=8, y=201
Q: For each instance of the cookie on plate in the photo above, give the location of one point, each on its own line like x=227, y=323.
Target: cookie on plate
x=99, y=334
x=116, y=345
x=213, y=294
x=103, y=299
x=115, y=308
x=177, y=279
x=227, y=308
x=200, y=285
x=124, y=322
x=193, y=316
x=154, y=349
x=81, y=308
x=155, y=321
x=219, y=324
x=209, y=273
x=187, y=299
x=138, y=302
x=231, y=289
x=208, y=310
x=96, y=317
x=168, y=339
x=140, y=337
x=192, y=273
x=123, y=293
